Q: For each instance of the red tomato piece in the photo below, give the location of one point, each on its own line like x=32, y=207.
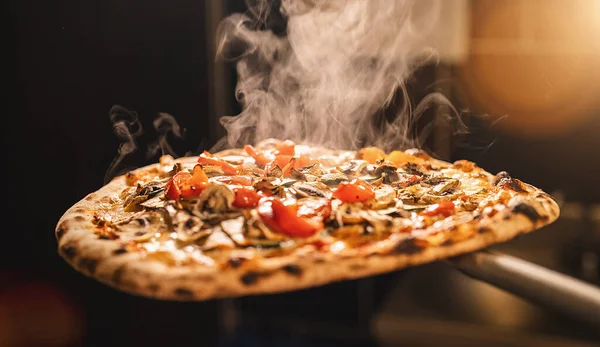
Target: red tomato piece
x=228, y=169
x=283, y=219
x=245, y=198
x=172, y=188
x=259, y=158
x=372, y=154
x=354, y=191
x=315, y=207
x=286, y=147
x=444, y=208
x=195, y=184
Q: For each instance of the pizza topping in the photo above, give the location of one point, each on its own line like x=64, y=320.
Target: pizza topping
x=400, y=158
x=284, y=219
x=315, y=207
x=283, y=199
x=371, y=154
x=512, y=184
x=207, y=159
x=316, y=189
x=286, y=147
x=245, y=198
x=355, y=191
x=141, y=194
x=215, y=198
x=444, y=208
x=354, y=167
x=387, y=171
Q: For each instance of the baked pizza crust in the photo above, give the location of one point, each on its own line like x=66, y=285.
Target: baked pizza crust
x=106, y=261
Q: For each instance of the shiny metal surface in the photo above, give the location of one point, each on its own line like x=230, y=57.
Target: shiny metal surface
x=571, y=296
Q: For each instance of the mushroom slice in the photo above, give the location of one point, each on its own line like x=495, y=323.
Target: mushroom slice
x=215, y=198
x=354, y=167
x=154, y=203
x=235, y=228
x=388, y=171
x=188, y=227
x=304, y=190
x=142, y=228
x=141, y=194
x=268, y=184
x=333, y=179
x=314, y=169
x=446, y=187
x=434, y=199
x=275, y=172
x=384, y=197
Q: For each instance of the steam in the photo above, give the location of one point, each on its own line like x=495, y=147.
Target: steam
x=165, y=125
x=327, y=78
x=128, y=128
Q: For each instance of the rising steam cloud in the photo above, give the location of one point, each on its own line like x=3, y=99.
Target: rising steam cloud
x=325, y=78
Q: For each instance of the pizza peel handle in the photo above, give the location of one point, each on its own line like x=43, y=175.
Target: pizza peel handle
x=576, y=298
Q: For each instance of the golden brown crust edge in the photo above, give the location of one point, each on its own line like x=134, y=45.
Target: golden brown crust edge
x=105, y=261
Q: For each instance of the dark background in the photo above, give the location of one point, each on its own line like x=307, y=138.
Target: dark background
x=73, y=61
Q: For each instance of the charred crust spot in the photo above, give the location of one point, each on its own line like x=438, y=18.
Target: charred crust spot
x=184, y=293
x=88, y=264
x=117, y=275
x=506, y=216
x=500, y=176
x=90, y=197
x=447, y=242
x=293, y=269
x=513, y=184
x=79, y=218
x=69, y=251
x=60, y=232
x=103, y=237
x=357, y=267
x=408, y=246
x=250, y=278
x=235, y=262
x=80, y=210
x=153, y=287
x=121, y=250
x=527, y=210
x=483, y=230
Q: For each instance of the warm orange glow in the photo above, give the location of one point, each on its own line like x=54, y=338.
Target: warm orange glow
x=536, y=62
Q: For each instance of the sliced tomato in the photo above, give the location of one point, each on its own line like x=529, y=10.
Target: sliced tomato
x=185, y=184
x=286, y=147
x=280, y=160
x=245, y=198
x=283, y=219
x=444, y=208
x=372, y=154
x=241, y=180
x=315, y=207
x=354, y=191
x=172, y=188
x=259, y=158
x=195, y=184
x=400, y=158
x=228, y=169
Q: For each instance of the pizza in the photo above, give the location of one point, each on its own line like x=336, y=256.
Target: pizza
x=278, y=217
